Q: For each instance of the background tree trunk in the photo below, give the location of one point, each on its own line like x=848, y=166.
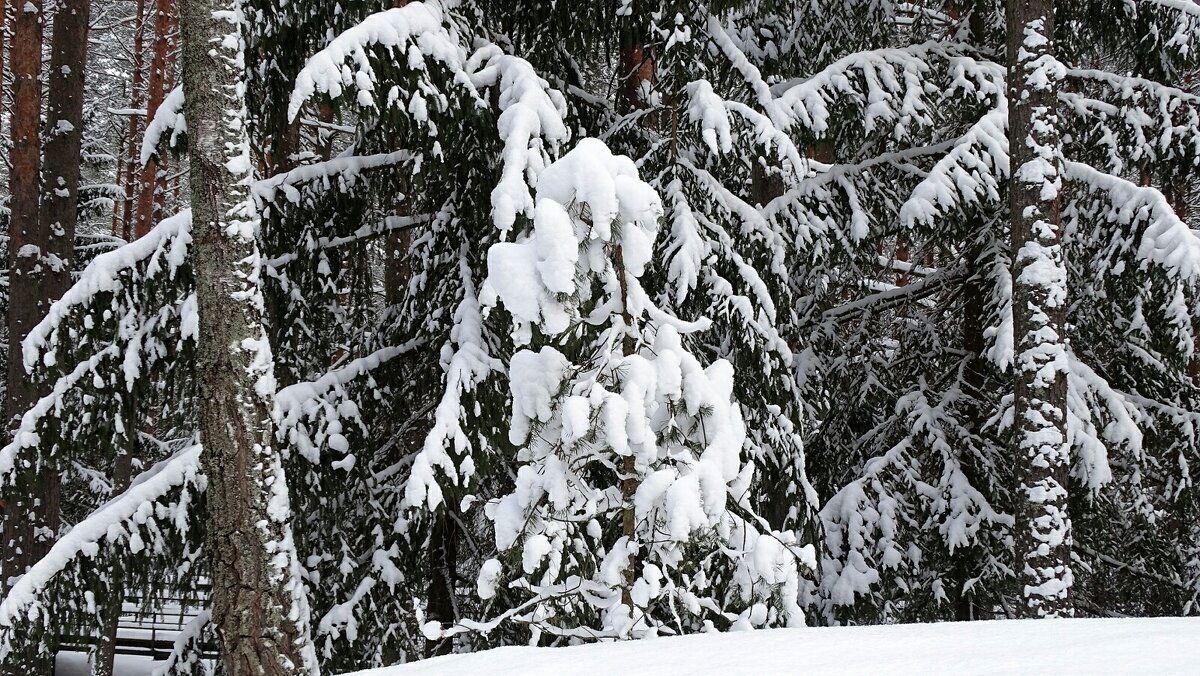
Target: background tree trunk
x=41, y=248
x=150, y=187
x=123, y=216
x=258, y=599
x=1043, y=527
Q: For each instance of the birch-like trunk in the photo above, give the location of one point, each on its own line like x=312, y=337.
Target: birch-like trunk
x=258, y=599
x=1043, y=528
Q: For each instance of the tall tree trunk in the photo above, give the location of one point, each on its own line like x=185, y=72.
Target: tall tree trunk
x=258, y=599
x=974, y=318
x=129, y=173
x=1043, y=527
x=64, y=138
x=39, y=266
x=149, y=186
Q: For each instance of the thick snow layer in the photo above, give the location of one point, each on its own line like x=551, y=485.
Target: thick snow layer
x=1120, y=646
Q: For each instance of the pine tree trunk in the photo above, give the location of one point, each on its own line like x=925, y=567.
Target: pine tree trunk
x=149, y=185
x=123, y=217
x=40, y=253
x=1043, y=528
x=258, y=599
x=25, y=242
x=133, y=151
x=64, y=137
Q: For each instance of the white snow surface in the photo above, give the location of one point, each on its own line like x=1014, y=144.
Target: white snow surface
x=77, y=664
x=1160, y=646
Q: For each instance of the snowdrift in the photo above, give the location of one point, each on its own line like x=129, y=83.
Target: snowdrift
x=1158, y=646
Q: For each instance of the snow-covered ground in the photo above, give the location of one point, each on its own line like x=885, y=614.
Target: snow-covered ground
x=76, y=664
x=1119, y=646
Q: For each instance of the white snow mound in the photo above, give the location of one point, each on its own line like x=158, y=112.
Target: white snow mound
x=1160, y=646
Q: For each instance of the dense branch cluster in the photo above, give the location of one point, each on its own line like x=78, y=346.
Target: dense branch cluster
x=576, y=321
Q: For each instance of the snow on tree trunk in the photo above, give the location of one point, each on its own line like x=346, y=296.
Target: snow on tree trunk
x=64, y=135
x=1039, y=310
x=258, y=599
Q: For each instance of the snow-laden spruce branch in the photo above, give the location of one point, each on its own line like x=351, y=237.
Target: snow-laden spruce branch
x=115, y=521
x=162, y=252
x=715, y=116
x=418, y=26
x=1183, y=6
x=164, y=249
x=749, y=72
x=1100, y=421
x=26, y=435
x=1166, y=241
x=891, y=83
x=971, y=173
x=387, y=225
x=531, y=122
x=932, y=283
x=167, y=119
x=1130, y=86
x=324, y=403
x=1138, y=121
x=187, y=650
x=291, y=401
x=864, y=535
x=529, y=118
x=448, y=439
x=343, y=170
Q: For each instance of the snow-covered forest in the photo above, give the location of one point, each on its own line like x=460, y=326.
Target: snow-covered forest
x=378, y=330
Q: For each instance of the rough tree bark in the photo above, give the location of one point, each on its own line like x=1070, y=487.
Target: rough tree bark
x=258, y=599
x=64, y=138
x=1043, y=528
x=41, y=246
x=128, y=170
x=24, y=512
x=149, y=186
